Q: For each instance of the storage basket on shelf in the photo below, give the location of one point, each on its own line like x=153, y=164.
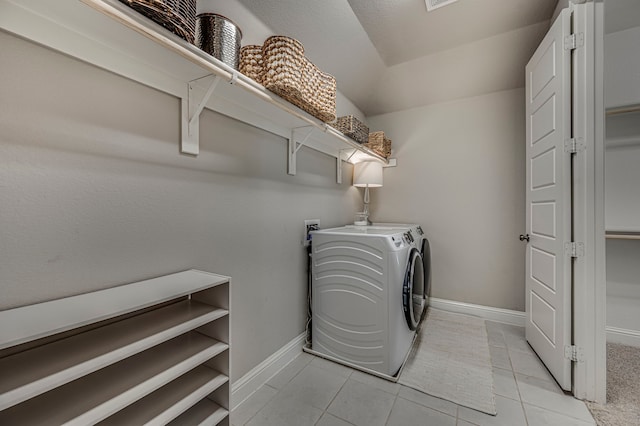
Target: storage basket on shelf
x=352, y=127
x=281, y=67
x=283, y=62
x=178, y=16
x=318, y=96
x=219, y=37
x=379, y=144
x=251, y=61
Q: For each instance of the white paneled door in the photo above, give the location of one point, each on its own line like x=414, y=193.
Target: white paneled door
x=548, y=198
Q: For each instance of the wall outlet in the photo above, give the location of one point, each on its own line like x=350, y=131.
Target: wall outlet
x=309, y=225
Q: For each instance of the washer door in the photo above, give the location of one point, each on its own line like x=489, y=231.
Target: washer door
x=413, y=290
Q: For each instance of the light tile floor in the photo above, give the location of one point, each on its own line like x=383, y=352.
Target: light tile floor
x=313, y=391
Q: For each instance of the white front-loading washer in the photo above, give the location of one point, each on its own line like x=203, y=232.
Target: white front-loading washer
x=367, y=295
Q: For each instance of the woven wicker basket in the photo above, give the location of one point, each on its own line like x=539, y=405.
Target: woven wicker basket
x=352, y=127
x=178, y=16
x=251, y=61
x=280, y=66
x=379, y=144
x=318, y=95
x=283, y=63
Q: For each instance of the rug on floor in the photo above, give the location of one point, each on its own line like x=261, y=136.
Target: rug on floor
x=450, y=359
x=623, y=388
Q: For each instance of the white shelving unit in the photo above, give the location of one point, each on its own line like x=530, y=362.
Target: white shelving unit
x=110, y=35
x=621, y=173
x=622, y=193
x=143, y=353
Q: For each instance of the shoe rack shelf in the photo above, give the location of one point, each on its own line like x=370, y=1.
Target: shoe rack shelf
x=151, y=352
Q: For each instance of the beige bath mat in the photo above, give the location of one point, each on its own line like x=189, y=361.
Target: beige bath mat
x=450, y=359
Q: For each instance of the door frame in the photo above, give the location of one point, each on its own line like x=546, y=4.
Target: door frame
x=589, y=289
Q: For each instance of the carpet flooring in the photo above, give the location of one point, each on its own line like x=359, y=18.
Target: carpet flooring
x=623, y=388
x=439, y=365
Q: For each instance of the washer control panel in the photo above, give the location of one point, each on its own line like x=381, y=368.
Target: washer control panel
x=408, y=238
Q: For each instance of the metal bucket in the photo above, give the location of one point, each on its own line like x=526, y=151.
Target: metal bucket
x=219, y=37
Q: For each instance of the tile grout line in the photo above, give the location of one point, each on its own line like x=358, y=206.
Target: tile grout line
x=333, y=399
x=538, y=378
x=513, y=372
x=392, y=405
x=426, y=406
x=278, y=391
x=265, y=404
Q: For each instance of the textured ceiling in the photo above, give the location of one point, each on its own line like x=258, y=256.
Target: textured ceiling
x=390, y=55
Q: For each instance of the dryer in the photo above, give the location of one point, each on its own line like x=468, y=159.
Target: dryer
x=367, y=294
x=421, y=243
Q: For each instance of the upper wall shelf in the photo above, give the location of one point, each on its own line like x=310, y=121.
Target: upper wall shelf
x=110, y=35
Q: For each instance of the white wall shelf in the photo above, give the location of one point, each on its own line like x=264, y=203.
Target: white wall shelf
x=44, y=319
x=623, y=235
x=204, y=413
x=164, y=347
x=110, y=35
x=169, y=402
x=623, y=110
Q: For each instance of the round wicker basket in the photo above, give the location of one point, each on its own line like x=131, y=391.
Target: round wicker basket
x=178, y=16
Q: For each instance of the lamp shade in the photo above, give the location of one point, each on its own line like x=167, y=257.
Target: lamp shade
x=367, y=173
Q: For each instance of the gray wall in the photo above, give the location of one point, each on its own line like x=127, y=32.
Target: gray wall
x=94, y=193
x=461, y=175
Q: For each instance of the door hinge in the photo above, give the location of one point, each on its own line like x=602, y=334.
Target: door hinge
x=574, y=249
x=574, y=353
x=574, y=145
x=573, y=41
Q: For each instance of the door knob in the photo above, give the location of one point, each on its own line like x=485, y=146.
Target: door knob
x=524, y=237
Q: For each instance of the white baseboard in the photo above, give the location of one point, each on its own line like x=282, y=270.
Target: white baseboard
x=244, y=387
x=614, y=334
x=506, y=316
x=623, y=336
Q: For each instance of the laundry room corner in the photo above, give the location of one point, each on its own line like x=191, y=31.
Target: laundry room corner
x=463, y=166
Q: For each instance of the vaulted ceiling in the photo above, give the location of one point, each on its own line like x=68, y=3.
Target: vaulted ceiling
x=390, y=55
